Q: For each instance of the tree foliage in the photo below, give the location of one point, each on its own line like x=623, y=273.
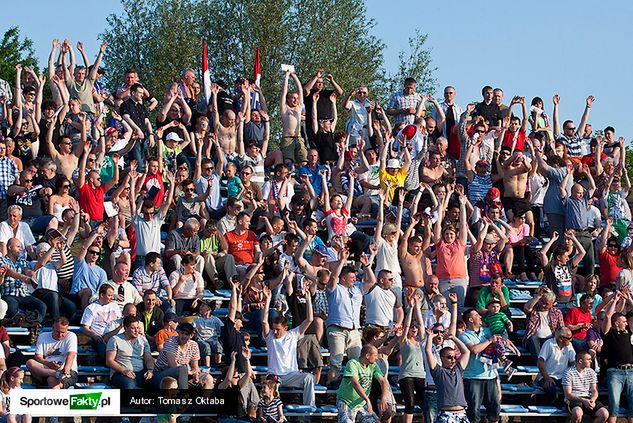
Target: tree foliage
x=160, y=38
x=14, y=50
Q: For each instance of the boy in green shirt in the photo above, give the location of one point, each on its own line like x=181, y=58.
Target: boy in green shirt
x=352, y=396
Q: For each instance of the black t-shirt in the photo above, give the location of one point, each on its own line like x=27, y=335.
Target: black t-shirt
x=31, y=203
x=232, y=340
x=490, y=112
x=617, y=348
x=298, y=309
x=325, y=145
x=324, y=106
x=225, y=102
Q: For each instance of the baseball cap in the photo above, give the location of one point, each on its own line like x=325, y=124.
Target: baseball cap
x=393, y=164
x=171, y=317
x=173, y=136
x=109, y=131
x=321, y=250
x=482, y=162
x=494, y=300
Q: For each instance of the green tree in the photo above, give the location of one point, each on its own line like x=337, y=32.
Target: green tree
x=156, y=38
x=15, y=50
x=414, y=63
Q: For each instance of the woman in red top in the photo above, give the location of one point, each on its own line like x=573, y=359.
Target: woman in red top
x=450, y=243
x=608, y=254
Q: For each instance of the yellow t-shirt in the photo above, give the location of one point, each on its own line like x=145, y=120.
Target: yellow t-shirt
x=396, y=181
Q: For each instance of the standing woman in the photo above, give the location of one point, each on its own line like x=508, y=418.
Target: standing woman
x=412, y=373
x=450, y=250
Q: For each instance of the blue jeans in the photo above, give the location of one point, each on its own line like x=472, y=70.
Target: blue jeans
x=25, y=303
x=121, y=381
x=429, y=411
x=56, y=303
x=138, y=154
x=158, y=377
x=617, y=381
x=478, y=392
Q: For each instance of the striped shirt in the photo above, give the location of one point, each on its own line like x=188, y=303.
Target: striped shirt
x=270, y=410
x=580, y=382
x=182, y=357
x=573, y=144
x=478, y=188
x=8, y=174
x=67, y=270
x=142, y=281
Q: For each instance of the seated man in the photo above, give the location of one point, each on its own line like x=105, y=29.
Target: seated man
x=55, y=362
x=124, y=291
x=179, y=359
x=556, y=356
x=282, y=349
x=150, y=314
x=152, y=276
x=16, y=275
x=129, y=357
x=96, y=318
x=538, y=330
x=183, y=241
x=580, y=385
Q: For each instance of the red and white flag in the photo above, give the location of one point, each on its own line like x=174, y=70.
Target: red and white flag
x=257, y=78
x=206, y=79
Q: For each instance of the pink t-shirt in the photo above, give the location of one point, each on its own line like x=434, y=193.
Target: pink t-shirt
x=517, y=234
x=451, y=261
x=336, y=225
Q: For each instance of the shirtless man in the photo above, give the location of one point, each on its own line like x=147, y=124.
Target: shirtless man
x=514, y=172
x=411, y=255
x=434, y=172
x=228, y=124
x=292, y=145
x=67, y=157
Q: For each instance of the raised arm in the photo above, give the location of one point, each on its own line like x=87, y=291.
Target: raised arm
x=267, y=297
x=585, y=115
x=284, y=93
x=298, y=86
x=545, y=249
x=556, y=100
x=580, y=251
x=309, y=310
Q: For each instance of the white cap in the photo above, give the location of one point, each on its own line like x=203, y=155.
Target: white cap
x=42, y=247
x=393, y=164
x=173, y=136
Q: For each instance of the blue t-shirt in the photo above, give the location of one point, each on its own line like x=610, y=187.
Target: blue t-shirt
x=315, y=177
x=552, y=202
x=233, y=186
x=87, y=276
x=475, y=368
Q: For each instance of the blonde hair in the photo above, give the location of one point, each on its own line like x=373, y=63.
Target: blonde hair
x=168, y=382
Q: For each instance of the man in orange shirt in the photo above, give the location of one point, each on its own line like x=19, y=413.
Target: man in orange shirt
x=242, y=243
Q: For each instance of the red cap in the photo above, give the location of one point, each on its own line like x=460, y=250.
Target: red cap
x=409, y=131
x=494, y=194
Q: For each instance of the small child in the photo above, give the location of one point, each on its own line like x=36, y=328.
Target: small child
x=208, y=328
x=234, y=186
x=499, y=324
x=169, y=329
x=11, y=379
x=270, y=408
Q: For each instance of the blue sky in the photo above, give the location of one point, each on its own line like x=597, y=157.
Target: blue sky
x=537, y=48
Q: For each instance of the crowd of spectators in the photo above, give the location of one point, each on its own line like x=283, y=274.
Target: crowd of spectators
x=386, y=242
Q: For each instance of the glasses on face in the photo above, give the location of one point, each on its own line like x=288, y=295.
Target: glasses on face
x=93, y=252
x=68, y=143
x=207, y=168
x=90, y=160
x=362, y=92
x=570, y=128
x=612, y=245
x=28, y=180
x=246, y=173
x=189, y=189
x=65, y=186
x=438, y=331
x=567, y=338
x=450, y=357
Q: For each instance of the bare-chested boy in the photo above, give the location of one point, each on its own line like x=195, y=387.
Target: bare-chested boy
x=292, y=145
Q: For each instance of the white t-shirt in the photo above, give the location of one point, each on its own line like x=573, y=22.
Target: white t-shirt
x=97, y=316
x=380, y=306
x=372, y=176
x=429, y=319
x=189, y=287
x=54, y=350
x=23, y=233
x=543, y=331
x=46, y=277
x=282, y=352
x=387, y=258
x=147, y=234
x=556, y=359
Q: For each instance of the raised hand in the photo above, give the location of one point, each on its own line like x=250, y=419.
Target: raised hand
x=103, y=46
x=470, y=108
x=556, y=99
x=80, y=46
x=55, y=43
x=590, y=100
x=329, y=78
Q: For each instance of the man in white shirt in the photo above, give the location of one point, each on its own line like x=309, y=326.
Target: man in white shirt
x=13, y=227
x=124, y=291
x=96, y=318
x=384, y=306
x=556, y=355
x=55, y=362
x=282, y=349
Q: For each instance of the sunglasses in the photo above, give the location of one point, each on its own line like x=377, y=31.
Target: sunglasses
x=438, y=331
x=450, y=357
x=207, y=168
x=567, y=338
x=91, y=160
x=28, y=180
x=94, y=251
x=65, y=186
x=572, y=128
x=189, y=189
x=246, y=173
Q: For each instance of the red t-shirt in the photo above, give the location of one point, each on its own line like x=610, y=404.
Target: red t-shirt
x=609, y=268
x=156, y=181
x=574, y=317
x=590, y=159
x=509, y=136
x=91, y=201
x=242, y=247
